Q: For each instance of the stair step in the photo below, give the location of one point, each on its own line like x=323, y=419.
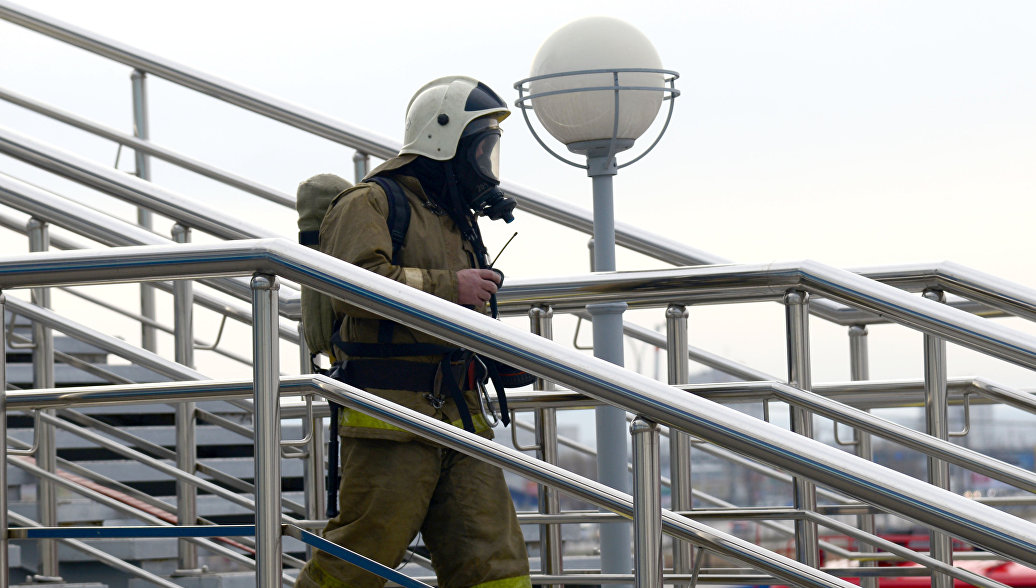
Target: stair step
x=63, y=585
x=20, y=374
x=164, y=435
x=81, y=511
x=225, y=580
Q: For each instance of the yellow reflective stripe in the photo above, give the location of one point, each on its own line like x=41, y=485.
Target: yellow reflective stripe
x=355, y=418
x=413, y=277
x=315, y=575
x=515, y=582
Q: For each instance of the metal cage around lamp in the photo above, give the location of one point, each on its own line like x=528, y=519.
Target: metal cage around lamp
x=613, y=144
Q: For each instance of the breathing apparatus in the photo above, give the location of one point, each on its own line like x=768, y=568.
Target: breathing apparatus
x=476, y=167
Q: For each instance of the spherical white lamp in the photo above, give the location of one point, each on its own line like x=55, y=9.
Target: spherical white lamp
x=576, y=114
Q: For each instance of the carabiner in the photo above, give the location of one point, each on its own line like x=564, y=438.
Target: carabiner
x=485, y=407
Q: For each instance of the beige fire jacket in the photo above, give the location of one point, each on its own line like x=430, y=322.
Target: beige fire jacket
x=355, y=229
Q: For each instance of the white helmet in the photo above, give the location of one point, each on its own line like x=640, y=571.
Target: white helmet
x=440, y=111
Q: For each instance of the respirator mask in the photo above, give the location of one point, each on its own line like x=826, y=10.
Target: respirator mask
x=478, y=171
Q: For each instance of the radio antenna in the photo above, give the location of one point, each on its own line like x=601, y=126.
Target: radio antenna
x=492, y=263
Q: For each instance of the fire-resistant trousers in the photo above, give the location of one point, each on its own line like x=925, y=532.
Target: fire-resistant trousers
x=391, y=490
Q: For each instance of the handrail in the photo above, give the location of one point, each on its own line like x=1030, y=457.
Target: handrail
x=653, y=400
x=145, y=499
x=872, y=393
x=747, y=282
x=136, y=513
x=156, y=464
x=117, y=347
x=458, y=439
x=862, y=394
x=566, y=294
x=536, y=203
x=696, y=354
x=865, y=421
x=101, y=556
x=96, y=496
x=128, y=188
x=961, y=280
x=335, y=130
x=291, y=386
x=114, y=232
x=150, y=148
x=198, y=343
x=235, y=94
x=228, y=308
x=1005, y=296
x=364, y=141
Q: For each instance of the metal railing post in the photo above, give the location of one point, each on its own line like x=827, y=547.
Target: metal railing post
x=313, y=469
x=43, y=377
x=138, y=80
x=305, y=361
x=647, y=505
x=186, y=419
x=679, y=442
x=859, y=369
x=804, y=492
x=937, y=425
x=546, y=431
x=5, y=543
x=361, y=165
x=266, y=377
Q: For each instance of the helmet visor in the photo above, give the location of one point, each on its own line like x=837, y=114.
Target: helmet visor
x=485, y=155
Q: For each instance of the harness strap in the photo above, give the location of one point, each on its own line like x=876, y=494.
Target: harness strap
x=414, y=376
x=493, y=368
x=382, y=350
x=334, y=477
x=449, y=381
x=398, y=225
x=389, y=374
x=334, y=473
x=398, y=213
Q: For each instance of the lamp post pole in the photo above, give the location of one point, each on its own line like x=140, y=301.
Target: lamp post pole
x=612, y=458
x=576, y=88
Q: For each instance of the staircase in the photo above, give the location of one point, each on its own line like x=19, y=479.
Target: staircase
x=125, y=481
x=756, y=485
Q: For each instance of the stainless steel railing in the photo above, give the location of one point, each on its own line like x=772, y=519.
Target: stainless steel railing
x=998, y=532
x=145, y=146
x=365, y=142
x=999, y=294
x=92, y=396
x=818, y=402
x=114, y=232
x=460, y=440
x=757, y=282
x=989, y=291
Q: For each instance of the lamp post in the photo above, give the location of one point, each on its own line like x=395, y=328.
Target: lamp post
x=596, y=86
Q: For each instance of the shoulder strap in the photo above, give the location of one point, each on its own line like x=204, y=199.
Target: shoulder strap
x=398, y=225
x=399, y=213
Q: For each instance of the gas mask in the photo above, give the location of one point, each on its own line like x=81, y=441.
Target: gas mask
x=477, y=165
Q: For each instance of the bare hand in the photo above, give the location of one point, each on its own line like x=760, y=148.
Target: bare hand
x=475, y=286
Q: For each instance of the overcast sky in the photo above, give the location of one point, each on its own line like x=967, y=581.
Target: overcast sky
x=852, y=133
